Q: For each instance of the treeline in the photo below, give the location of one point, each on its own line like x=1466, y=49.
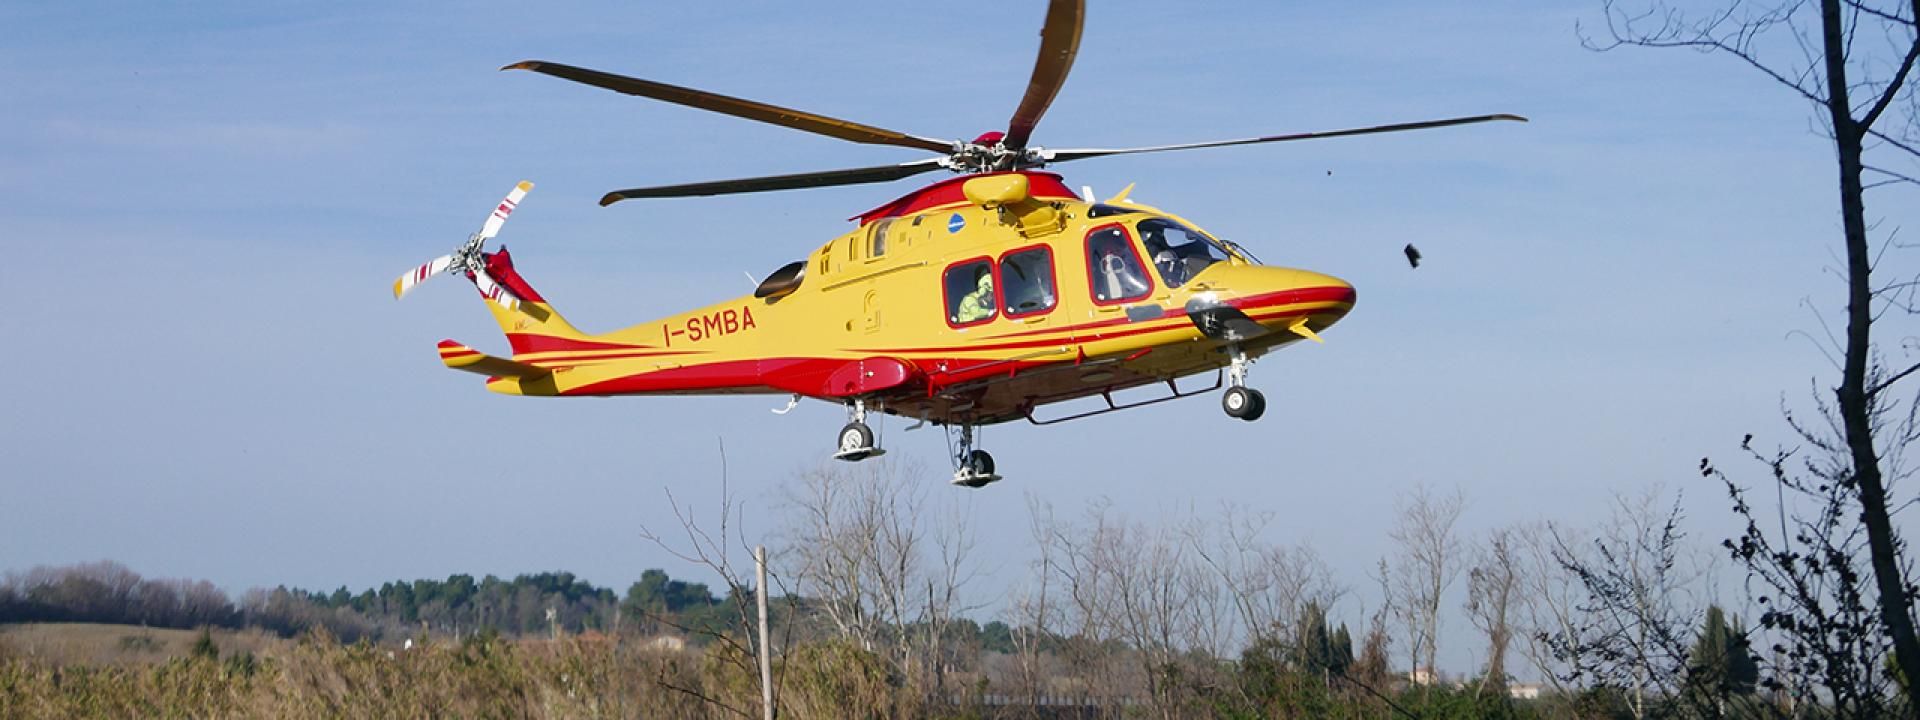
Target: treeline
x=108, y=592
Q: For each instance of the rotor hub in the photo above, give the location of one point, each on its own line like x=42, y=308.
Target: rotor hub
x=988, y=153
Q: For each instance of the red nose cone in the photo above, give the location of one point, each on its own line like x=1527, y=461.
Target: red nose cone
x=990, y=139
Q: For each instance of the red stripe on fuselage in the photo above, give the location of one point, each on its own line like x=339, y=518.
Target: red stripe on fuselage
x=532, y=343
x=590, y=359
x=1325, y=293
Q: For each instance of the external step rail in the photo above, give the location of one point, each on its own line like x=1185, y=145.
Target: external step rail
x=1173, y=389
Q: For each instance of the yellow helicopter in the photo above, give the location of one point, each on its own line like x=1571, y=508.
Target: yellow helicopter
x=976, y=300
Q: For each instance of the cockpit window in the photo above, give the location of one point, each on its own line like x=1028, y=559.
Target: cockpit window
x=1104, y=210
x=1178, y=252
x=1114, y=267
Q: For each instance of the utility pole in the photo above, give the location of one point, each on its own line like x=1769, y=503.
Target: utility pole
x=766, y=653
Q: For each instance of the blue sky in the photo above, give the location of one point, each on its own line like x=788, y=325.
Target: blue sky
x=205, y=204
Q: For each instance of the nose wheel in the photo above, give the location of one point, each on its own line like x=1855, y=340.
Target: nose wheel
x=1241, y=401
x=856, y=441
x=1244, y=403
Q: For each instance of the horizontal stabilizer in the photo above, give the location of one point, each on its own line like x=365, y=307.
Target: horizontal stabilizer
x=461, y=357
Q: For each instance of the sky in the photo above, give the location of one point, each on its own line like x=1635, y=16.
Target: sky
x=206, y=204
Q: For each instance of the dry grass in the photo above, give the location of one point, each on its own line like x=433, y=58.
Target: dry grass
x=119, y=645
x=56, y=671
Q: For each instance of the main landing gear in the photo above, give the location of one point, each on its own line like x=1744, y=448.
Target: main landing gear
x=973, y=468
x=1239, y=400
x=857, y=441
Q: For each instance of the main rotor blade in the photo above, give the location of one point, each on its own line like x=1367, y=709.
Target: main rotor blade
x=1059, y=41
x=1080, y=154
x=828, y=178
x=737, y=107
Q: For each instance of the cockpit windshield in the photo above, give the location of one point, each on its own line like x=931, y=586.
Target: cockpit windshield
x=1177, y=251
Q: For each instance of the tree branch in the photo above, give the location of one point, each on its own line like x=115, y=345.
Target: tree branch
x=1893, y=88
x=1889, y=381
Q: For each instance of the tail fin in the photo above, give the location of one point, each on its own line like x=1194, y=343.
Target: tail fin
x=533, y=326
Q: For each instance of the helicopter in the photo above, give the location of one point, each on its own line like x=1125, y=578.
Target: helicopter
x=979, y=299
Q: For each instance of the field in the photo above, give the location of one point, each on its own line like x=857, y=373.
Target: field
x=101, y=645
x=84, y=670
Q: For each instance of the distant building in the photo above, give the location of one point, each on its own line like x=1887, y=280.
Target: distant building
x=1524, y=691
x=1423, y=676
x=669, y=643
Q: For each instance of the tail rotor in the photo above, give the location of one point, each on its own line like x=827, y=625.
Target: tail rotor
x=470, y=258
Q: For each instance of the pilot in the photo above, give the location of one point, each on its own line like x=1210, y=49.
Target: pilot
x=1168, y=261
x=977, y=305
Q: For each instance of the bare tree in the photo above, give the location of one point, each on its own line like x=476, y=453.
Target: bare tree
x=1634, y=630
x=1425, y=564
x=1032, y=612
x=886, y=570
x=1491, y=588
x=1815, y=595
x=1123, y=576
x=1854, y=61
x=712, y=547
x=1137, y=585
x=1264, y=585
x=1548, y=603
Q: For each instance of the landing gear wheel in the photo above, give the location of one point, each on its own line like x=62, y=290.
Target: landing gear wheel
x=1244, y=403
x=974, y=468
x=856, y=442
x=980, y=462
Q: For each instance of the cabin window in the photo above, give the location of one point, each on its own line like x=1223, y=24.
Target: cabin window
x=1026, y=281
x=1177, y=251
x=878, y=246
x=970, y=293
x=1114, y=269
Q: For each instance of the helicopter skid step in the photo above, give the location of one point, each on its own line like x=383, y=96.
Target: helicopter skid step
x=970, y=479
x=858, y=454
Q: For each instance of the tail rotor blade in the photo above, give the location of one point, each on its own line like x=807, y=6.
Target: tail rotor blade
x=500, y=213
x=495, y=292
x=420, y=274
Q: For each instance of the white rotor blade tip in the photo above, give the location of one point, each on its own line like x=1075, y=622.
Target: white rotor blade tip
x=418, y=275
x=504, y=209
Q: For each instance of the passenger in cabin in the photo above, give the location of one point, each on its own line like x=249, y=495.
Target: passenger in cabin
x=1118, y=273
x=978, y=305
